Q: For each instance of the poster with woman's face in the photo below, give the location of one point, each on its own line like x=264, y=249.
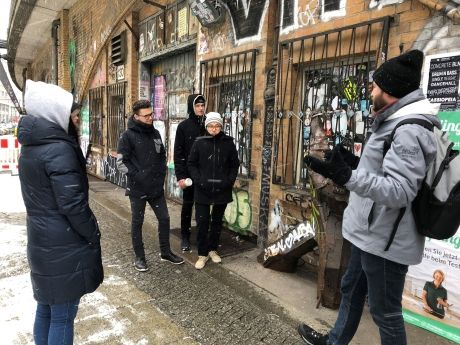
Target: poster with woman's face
x=431, y=298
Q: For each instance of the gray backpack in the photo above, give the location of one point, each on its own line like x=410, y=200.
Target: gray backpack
x=436, y=208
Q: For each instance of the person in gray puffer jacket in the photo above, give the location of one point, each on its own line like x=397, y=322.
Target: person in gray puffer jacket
x=380, y=186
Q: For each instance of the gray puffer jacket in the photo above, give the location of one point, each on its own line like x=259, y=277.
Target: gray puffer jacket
x=380, y=186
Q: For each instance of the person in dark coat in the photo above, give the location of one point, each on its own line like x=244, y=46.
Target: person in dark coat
x=142, y=157
x=63, y=238
x=187, y=131
x=213, y=164
x=74, y=124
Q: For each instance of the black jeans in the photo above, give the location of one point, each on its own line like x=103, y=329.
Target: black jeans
x=186, y=212
x=160, y=209
x=208, y=240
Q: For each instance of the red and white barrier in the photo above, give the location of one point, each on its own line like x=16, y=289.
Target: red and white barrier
x=9, y=153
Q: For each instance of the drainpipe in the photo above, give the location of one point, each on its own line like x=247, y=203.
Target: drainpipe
x=54, y=52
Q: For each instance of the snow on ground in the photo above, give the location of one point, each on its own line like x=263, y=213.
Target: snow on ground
x=102, y=318
x=16, y=300
x=10, y=191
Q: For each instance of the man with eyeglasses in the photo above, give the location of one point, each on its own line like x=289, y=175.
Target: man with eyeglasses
x=187, y=131
x=142, y=156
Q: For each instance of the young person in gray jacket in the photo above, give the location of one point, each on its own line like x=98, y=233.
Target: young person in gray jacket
x=379, y=187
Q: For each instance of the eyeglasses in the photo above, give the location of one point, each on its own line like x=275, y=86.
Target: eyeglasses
x=146, y=116
x=214, y=126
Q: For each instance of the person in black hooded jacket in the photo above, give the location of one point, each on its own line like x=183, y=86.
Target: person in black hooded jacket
x=187, y=131
x=63, y=238
x=213, y=164
x=142, y=157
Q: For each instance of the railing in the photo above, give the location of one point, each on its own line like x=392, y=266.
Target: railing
x=228, y=85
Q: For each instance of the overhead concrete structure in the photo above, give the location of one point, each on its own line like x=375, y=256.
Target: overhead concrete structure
x=29, y=29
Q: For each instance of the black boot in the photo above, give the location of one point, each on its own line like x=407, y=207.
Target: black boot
x=310, y=336
x=172, y=258
x=140, y=264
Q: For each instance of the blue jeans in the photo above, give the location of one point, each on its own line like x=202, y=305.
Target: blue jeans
x=383, y=281
x=54, y=323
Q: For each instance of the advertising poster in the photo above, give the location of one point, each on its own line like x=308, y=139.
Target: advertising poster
x=144, y=82
x=441, y=85
x=436, y=309
x=431, y=298
x=173, y=189
x=158, y=101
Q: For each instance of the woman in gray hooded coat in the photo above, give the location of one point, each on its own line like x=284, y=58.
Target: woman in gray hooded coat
x=63, y=247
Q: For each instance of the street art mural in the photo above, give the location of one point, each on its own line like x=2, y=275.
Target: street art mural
x=238, y=214
x=247, y=18
x=243, y=24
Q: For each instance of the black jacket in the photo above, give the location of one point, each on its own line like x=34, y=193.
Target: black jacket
x=63, y=247
x=141, y=151
x=213, y=164
x=187, y=131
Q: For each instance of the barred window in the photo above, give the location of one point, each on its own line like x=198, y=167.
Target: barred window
x=228, y=86
x=96, y=115
x=323, y=94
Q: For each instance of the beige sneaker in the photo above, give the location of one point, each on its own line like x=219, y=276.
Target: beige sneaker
x=201, y=262
x=215, y=257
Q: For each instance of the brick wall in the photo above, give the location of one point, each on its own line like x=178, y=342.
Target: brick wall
x=90, y=26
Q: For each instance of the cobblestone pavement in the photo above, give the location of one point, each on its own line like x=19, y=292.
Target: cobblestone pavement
x=210, y=311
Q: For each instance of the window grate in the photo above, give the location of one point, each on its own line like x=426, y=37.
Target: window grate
x=324, y=78
x=116, y=124
x=228, y=85
x=96, y=115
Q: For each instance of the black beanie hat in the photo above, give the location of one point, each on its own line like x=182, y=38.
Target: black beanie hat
x=400, y=75
x=199, y=99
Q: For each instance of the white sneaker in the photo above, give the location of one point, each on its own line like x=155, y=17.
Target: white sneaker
x=201, y=262
x=215, y=257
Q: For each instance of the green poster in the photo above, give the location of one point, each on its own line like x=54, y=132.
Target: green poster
x=450, y=121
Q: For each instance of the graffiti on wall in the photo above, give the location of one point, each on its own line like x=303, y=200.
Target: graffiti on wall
x=213, y=40
x=181, y=76
x=247, y=19
x=379, y=4
x=287, y=214
x=295, y=236
x=111, y=172
x=238, y=214
x=269, y=95
x=106, y=167
x=296, y=14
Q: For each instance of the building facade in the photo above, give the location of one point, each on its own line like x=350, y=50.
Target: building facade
x=290, y=77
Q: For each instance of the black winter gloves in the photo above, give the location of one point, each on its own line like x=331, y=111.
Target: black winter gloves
x=334, y=167
x=347, y=156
